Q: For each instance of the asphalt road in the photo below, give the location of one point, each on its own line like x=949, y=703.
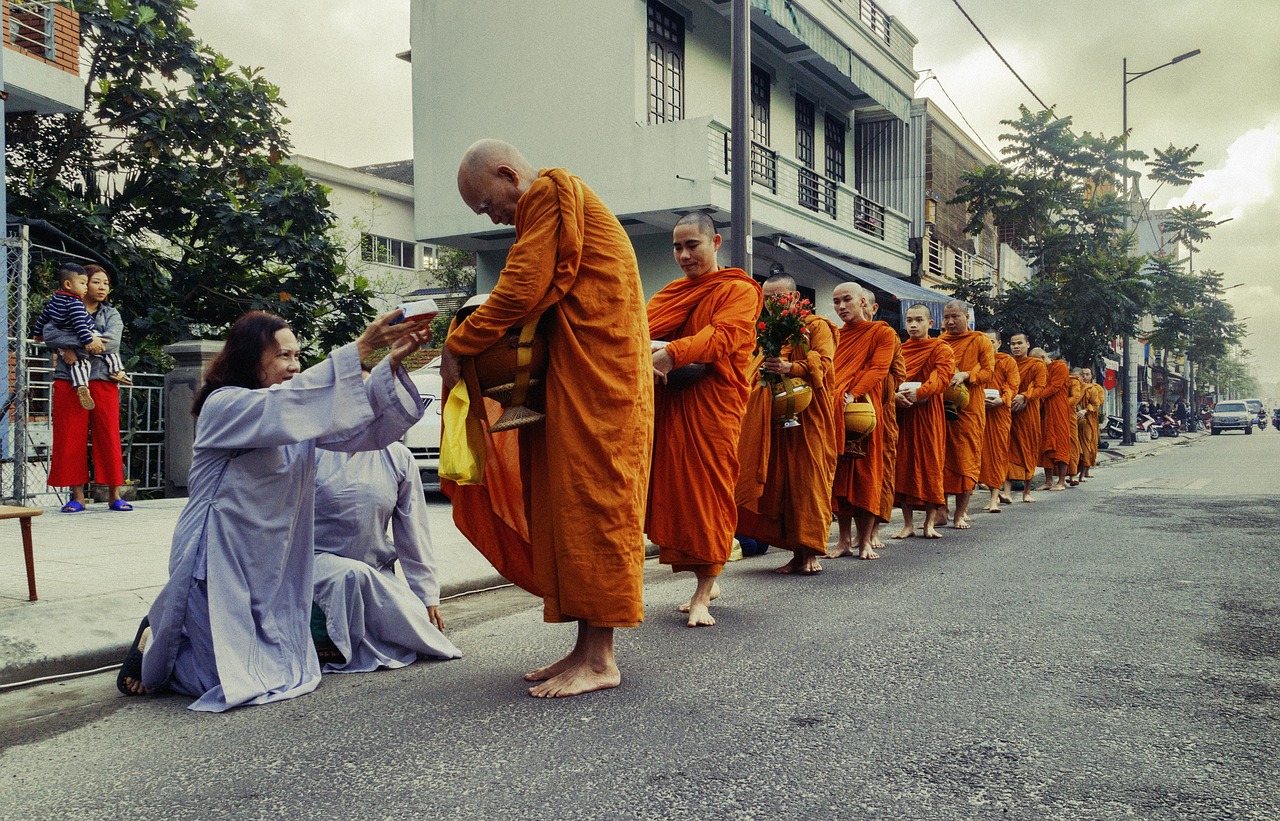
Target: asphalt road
x=1107, y=652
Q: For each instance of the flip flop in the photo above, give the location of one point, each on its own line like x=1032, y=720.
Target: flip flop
x=119, y=505
x=73, y=507
x=132, y=666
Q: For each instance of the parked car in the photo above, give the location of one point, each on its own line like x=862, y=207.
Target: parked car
x=1232, y=415
x=1259, y=412
x=423, y=439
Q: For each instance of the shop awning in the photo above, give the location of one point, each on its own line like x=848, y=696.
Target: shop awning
x=906, y=293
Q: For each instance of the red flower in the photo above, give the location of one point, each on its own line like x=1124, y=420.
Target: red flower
x=760, y=326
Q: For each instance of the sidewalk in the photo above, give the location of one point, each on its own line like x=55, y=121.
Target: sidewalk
x=97, y=573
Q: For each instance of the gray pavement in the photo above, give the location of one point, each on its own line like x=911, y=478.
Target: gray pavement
x=97, y=573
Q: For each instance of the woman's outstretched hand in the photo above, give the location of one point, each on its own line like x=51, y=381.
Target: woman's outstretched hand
x=404, y=338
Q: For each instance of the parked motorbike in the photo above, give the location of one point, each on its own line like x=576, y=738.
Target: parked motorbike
x=1146, y=423
x=1169, y=426
x=1115, y=427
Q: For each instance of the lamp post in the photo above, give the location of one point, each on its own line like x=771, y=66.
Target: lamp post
x=1130, y=375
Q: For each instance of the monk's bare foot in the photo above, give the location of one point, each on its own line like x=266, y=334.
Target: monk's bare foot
x=868, y=553
x=715, y=594
x=1046, y=486
x=810, y=566
x=1057, y=488
x=793, y=566
x=876, y=541
x=908, y=531
x=992, y=508
x=1028, y=499
x=577, y=679
x=961, y=524
x=1005, y=499
x=940, y=518
x=553, y=670
x=930, y=533
x=840, y=549
x=700, y=616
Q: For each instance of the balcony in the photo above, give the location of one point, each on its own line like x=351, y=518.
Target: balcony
x=786, y=183
x=42, y=57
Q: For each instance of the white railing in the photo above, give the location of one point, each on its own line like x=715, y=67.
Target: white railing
x=31, y=27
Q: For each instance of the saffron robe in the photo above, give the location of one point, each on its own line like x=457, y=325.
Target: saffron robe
x=1024, y=432
x=862, y=363
x=793, y=511
x=1094, y=396
x=375, y=618
x=709, y=319
x=974, y=354
x=897, y=375
x=995, y=437
x=1075, y=394
x=922, y=433
x=561, y=507
x=1055, y=436
x=232, y=625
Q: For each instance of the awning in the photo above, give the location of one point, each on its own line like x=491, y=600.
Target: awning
x=906, y=293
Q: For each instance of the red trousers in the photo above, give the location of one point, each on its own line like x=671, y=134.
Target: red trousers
x=69, y=465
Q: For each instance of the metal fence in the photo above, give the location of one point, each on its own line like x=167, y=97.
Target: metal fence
x=26, y=436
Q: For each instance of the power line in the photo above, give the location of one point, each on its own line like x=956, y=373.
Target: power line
x=934, y=76
x=1001, y=56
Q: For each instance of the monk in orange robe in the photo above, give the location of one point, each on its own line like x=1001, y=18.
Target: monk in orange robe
x=708, y=317
x=897, y=375
x=1094, y=396
x=862, y=361
x=1075, y=396
x=994, y=471
x=793, y=510
x=975, y=366
x=1024, y=432
x=562, y=501
x=1055, y=435
x=922, y=435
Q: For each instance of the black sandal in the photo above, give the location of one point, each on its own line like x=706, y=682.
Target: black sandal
x=132, y=666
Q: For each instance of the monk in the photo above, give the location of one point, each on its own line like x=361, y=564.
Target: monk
x=1094, y=396
x=793, y=511
x=994, y=470
x=1055, y=436
x=975, y=366
x=862, y=360
x=922, y=435
x=1024, y=431
x=707, y=317
x=564, y=499
x=1075, y=396
x=897, y=375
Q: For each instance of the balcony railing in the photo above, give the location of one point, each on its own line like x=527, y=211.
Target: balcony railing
x=873, y=17
x=31, y=27
x=796, y=186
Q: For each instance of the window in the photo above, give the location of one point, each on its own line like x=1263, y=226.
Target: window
x=835, y=131
x=804, y=131
x=666, y=64
x=760, y=83
x=385, y=251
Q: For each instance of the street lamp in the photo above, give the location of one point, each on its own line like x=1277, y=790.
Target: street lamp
x=1130, y=375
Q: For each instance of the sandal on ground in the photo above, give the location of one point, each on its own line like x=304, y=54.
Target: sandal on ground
x=132, y=666
x=120, y=505
x=73, y=507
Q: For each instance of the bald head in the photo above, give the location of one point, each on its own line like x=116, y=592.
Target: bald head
x=492, y=177
x=1039, y=353
x=848, y=299
x=779, y=284
x=703, y=223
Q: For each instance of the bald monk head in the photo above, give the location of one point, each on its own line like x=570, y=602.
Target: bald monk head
x=779, y=285
x=955, y=316
x=994, y=336
x=1039, y=353
x=919, y=321
x=848, y=299
x=1019, y=344
x=870, y=307
x=1086, y=376
x=492, y=177
x=695, y=244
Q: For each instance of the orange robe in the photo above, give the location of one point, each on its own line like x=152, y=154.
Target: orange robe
x=561, y=508
x=862, y=363
x=1075, y=395
x=1024, y=432
x=1094, y=396
x=709, y=319
x=793, y=510
x=897, y=375
x=1055, y=436
x=995, y=438
x=922, y=428
x=975, y=355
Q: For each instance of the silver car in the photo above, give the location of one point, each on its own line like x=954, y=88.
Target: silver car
x=423, y=439
x=1233, y=415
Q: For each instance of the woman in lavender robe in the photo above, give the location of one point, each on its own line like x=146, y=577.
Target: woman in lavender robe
x=373, y=617
x=232, y=625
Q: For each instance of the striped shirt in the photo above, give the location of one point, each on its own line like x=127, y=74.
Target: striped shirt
x=66, y=311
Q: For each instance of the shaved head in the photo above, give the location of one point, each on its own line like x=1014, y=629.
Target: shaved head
x=851, y=288
x=957, y=305
x=484, y=157
x=705, y=225
x=779, y=284
x=492, y=177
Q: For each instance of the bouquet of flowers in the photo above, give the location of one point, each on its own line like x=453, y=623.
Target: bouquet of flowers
x=782, y=323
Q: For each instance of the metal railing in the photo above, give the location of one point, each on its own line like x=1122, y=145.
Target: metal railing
x=31, y=27
x=764, y=164
x=874, y=18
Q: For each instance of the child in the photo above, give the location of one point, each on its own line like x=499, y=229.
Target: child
x=66, y=311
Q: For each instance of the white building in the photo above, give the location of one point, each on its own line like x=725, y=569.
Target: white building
x=634, y=97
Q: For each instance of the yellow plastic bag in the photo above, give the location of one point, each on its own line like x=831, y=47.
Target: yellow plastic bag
x=460, y=460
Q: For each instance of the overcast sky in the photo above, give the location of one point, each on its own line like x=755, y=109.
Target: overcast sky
x=349, y=97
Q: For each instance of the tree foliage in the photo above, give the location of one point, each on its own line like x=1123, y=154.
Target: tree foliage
x=455, y=271
x=173, y=174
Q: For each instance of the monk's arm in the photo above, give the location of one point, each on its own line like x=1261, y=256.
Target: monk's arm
x=1012, y=380
x=943, y=368
x=1053, y=384
x=1034, y=389
x=876, y=368
x=524, y=280
x=981, y=376
x=732, y=328
x=817, y=364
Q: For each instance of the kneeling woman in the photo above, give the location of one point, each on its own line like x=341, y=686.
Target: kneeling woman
x=373, y=617
x=232, y=625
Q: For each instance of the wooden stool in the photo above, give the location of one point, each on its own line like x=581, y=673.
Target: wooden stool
x=24, y=514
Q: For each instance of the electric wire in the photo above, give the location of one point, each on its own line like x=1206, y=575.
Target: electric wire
x=934, y=77
x=1001, y=56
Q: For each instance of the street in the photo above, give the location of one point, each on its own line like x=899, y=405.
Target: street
x=1110, y=651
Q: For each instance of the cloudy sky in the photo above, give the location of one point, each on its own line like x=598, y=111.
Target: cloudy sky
x=349, y=97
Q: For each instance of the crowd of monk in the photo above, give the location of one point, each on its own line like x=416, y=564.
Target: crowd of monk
x=658, y=418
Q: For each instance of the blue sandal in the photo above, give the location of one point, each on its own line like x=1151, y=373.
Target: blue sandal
x=73, y=507
x=118, y=505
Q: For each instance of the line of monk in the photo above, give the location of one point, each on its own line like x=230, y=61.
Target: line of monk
x=658, y=418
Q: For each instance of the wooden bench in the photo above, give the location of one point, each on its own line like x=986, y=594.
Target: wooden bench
x=24, y=514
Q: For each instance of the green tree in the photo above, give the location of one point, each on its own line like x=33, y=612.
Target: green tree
x=1189, y=225
x=455, y=271
x=173, y=174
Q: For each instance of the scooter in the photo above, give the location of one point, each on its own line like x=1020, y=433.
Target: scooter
x=1146, y=423
x=1169, y=427
x=1115, y=427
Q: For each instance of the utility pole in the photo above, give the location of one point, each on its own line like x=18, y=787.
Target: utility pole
x=740, y=141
